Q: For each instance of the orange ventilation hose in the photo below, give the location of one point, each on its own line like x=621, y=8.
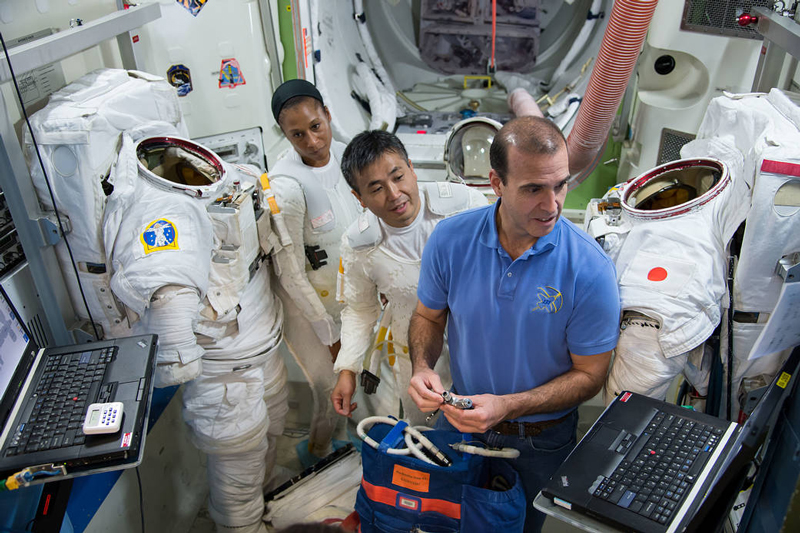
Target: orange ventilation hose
x=619, y=51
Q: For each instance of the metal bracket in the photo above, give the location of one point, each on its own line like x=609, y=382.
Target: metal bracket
x=789, y=267
x=48, y=226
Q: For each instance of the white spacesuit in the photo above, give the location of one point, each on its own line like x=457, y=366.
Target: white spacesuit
x=668, y=316
x=372, y=267
x=182, y=238
x=78, y=134
x=161, y=256
x=765, y=129
x=317, y=206
x=669, y=244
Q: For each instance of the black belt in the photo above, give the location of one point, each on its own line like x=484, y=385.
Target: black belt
x=530, y=429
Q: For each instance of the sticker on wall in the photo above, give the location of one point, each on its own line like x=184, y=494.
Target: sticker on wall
x=180, y=78
x=193, y=6
x=230, y=75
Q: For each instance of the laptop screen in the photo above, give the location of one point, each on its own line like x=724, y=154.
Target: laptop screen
x=17, y=353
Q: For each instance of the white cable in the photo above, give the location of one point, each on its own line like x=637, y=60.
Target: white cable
x=369, y=46
x=505, y=453
x=414, y=448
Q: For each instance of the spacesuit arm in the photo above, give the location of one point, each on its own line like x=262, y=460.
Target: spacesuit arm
x=360, y=313
x=171, y=315
x=289, y=262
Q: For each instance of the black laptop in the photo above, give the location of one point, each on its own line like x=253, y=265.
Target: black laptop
x=654, y=467
x=46, y=394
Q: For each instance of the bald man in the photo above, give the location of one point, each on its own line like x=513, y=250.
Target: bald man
x=533, y=310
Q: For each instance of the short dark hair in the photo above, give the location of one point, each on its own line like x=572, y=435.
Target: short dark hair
x=532, y=135
x=296, y=101
x=365, y=149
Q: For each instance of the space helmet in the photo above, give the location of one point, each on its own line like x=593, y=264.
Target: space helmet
x=180, y=165
x=466, y=152
x=674, y=188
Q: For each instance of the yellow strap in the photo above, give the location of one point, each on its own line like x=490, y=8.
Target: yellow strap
x=390, y=350
x=487, y=78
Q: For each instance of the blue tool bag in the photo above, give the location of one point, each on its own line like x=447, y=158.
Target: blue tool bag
x=402, y=494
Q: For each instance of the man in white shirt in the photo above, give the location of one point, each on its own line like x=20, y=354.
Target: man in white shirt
x=381, y=253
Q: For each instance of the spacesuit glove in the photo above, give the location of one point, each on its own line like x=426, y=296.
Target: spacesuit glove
x=326, y=329
x=169, y=374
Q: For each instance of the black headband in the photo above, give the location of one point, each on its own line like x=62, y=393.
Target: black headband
x=292, y=89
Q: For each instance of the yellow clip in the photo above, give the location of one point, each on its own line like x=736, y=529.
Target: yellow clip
x=487, y=78
x=12, y=483
x=390, y=350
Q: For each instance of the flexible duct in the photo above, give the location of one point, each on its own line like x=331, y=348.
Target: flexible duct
x=580, y=41
x=619, y=51
x=522, y=104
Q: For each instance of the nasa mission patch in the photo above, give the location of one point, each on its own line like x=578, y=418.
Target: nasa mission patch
x=160, y=234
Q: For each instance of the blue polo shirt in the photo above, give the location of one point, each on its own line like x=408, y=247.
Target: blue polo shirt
x=513, y=324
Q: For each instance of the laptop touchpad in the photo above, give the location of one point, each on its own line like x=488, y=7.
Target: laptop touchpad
x=126, y=391
x=605, y=436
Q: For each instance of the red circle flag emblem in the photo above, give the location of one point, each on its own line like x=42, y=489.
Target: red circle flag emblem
x=657, y=274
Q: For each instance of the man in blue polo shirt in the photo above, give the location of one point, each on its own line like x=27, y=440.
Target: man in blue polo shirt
x=533, y=309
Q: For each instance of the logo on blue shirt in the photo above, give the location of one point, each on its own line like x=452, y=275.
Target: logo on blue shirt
x=549, y=300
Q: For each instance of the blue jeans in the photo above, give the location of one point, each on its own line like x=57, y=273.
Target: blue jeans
x=539, y=458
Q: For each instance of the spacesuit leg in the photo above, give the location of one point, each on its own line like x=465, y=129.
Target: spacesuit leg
x=228, y=416
x=276, y=398
x=639, y=365
x=235, y=499
x=314, y=359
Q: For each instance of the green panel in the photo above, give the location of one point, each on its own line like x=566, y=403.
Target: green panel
x=599, y=181
x=289, y=66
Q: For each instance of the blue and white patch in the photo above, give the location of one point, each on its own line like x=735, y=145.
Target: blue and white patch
x=160, y=234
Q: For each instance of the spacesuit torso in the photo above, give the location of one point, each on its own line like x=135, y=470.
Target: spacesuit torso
x=371, y=268
x=672, y=266
x=164, y=235
x=317, y=205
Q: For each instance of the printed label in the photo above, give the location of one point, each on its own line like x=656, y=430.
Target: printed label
x=410, y=479
x=126, y=440
x=784, y=380
x=408, y=503
x=322, y=219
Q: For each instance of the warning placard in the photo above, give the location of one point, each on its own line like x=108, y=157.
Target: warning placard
x=410, y=479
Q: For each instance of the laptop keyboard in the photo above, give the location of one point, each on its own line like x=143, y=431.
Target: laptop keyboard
x=654, y=481
x=69, y=383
